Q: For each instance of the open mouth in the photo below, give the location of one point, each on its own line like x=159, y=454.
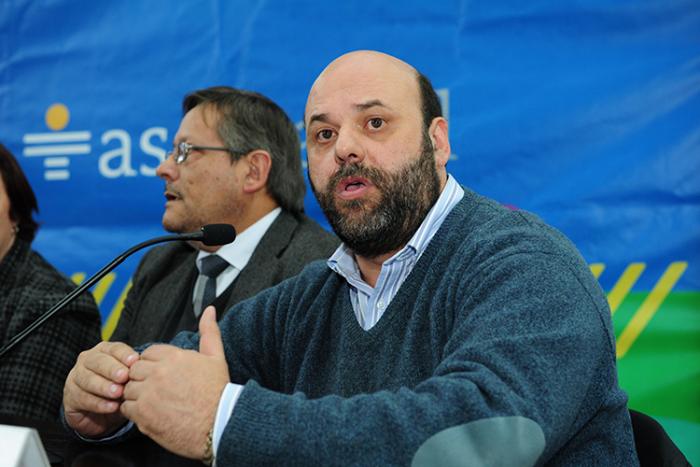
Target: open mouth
x=171, y=196
x=353, y=187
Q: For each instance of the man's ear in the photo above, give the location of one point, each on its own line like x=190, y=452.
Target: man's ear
x=440, y=140
x=259, y=164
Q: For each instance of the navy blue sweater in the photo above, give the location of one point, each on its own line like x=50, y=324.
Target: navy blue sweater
x=497, y=349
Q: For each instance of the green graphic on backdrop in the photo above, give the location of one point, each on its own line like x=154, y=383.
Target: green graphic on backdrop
x=660, y=370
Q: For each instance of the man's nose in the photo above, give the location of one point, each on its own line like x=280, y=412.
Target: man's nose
x=168, y=169
x=349, y=148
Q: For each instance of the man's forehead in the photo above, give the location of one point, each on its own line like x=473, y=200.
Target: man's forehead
x=363, y=80
x=207, y=113
x=199, y=118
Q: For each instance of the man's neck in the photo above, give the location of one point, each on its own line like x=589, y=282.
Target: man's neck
x=258, y=207
x=371, y=267
x=253, y=215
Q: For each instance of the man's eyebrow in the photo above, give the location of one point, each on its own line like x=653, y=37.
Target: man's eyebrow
x=317, y=118
x=323, y=117
x=370, y=104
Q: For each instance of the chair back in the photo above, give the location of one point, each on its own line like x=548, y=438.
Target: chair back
x=654, y=446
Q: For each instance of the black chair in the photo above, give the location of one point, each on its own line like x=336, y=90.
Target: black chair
x=654, y=447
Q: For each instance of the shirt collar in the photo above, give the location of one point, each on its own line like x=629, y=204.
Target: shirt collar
x=449, y=197
x=238, y=252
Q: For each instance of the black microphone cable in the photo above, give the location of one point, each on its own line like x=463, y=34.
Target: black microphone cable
x=210, y=235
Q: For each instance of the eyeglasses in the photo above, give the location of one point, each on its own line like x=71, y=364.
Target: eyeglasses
x=182, y=151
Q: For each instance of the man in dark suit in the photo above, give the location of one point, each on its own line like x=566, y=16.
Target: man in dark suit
x=235, y=160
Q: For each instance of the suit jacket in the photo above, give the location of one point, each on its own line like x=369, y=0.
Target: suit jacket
x=32, y=374
x=165, y=272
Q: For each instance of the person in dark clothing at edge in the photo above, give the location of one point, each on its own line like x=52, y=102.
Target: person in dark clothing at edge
x=33, y=373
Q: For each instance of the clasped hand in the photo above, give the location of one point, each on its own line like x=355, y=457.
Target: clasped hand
x=170, y=394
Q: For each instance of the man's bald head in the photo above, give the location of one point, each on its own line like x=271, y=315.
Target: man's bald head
x=360, y=64
x=372, y=59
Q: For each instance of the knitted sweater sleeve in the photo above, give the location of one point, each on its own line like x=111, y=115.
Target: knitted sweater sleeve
x=528, y=363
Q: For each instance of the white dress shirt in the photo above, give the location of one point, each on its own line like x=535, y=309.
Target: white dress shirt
x=237, y=254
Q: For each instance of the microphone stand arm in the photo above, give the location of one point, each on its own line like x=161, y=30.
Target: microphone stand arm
x=91, y=281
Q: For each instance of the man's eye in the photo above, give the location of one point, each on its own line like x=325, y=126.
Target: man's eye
x=375, y=123
x=324, y=135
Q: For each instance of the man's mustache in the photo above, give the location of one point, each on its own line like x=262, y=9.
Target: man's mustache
x=172, y=191
x=375, y=176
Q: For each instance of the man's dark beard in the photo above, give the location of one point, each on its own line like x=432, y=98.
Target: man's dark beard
x=371, y=228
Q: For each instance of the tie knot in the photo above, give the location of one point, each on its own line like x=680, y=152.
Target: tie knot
x=213, y=265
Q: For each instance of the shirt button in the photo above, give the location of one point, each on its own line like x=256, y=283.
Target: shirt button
x=380, y=304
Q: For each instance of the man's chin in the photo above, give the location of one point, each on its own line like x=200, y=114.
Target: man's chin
x=175, y=227
x=355, y=207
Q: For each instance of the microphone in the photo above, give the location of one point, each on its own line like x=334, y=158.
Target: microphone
x=210, y=235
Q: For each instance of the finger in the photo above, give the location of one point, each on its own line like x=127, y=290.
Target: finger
x=132, y=390
x=76, y=400
x=140, y=370
x=129, y=409
x=92, y=383
x=81, y=401
x=210, y=342
x=158, y=352
x=122, y=352
x=103, y=364
x=132, y=410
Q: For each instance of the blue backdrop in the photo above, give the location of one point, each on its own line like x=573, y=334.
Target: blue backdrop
x=586, y=113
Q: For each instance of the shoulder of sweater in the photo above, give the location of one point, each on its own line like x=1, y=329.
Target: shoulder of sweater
x=485, y=222
x=480, y=234
x=487, y=238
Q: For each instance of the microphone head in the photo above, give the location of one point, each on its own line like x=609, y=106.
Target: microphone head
x=218, y=234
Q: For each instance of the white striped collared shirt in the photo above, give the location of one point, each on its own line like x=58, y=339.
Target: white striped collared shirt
x=369, y=303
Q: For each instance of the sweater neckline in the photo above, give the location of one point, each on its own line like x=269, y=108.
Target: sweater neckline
x=460, y=213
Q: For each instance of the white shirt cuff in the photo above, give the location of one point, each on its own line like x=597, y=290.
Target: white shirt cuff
x=228, y=400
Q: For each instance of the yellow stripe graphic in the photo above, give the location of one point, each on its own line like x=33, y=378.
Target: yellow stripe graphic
x=111, y=323
x=78, y=278
x=624, y=284
x=649, y=307
x=102, y=287
x=597, y=269
x=99, y=292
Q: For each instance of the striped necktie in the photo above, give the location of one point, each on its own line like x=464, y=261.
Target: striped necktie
x=212, y=266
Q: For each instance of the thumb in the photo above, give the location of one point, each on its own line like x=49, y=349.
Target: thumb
x=209, y=335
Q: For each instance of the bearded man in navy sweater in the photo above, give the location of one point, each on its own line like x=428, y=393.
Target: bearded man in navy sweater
x=445, y=330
